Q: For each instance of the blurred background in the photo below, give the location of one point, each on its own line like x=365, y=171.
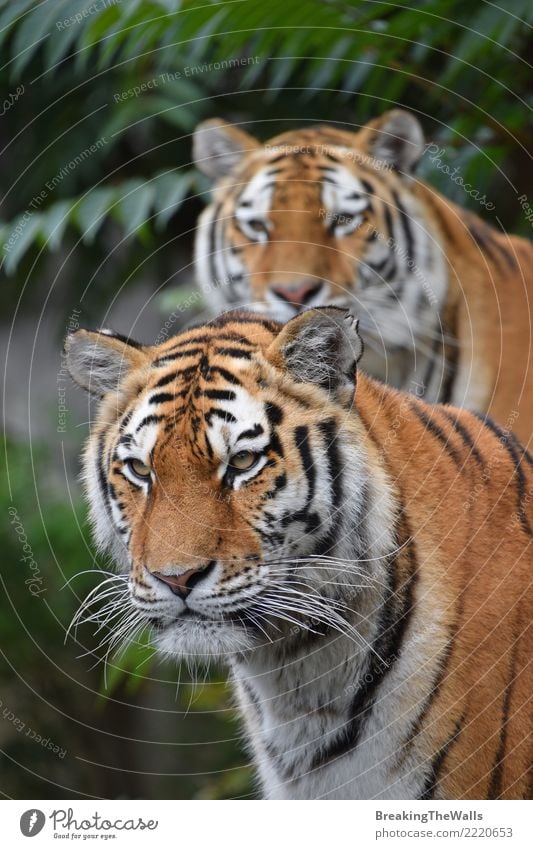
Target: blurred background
x=98, y=100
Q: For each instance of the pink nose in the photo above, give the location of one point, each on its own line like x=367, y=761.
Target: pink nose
x=298, y=293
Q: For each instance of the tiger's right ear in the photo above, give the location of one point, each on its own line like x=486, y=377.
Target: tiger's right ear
x=100, y=361
x=320, y=346
x=218, y=147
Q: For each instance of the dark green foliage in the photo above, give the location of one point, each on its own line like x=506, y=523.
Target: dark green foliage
x=458, y=65
x=98, y=187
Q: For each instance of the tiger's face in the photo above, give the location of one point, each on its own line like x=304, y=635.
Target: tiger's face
x=219, y=470
x=322, y=216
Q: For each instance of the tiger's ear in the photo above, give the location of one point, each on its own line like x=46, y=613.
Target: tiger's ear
x=321, y=346
x=395, y=138
x=99, y=361
x=218, y=147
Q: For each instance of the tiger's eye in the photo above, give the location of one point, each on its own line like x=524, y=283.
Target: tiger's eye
x=139, y=468
x=243, y=460
x=257, y=225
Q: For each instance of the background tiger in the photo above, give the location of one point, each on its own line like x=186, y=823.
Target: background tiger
x=363, y=567
x=326, y=216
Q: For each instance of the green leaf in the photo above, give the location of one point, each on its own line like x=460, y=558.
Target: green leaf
x=170, y=190
x=21, y=237
x=53, y=224
x=34, y=29
x=60, y=40
x=13, y=14
x=134, y=205
x=91, y=211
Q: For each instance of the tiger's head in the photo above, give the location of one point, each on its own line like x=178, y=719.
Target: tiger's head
x=227, y=476
x=322, y=216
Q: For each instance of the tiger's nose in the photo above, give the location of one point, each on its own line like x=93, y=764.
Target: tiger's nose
x=298, y=294
x=183, y=584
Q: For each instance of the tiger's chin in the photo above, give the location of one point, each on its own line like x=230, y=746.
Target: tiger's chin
x=194, y=637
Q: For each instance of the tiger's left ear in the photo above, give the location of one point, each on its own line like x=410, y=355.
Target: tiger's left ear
x=100, y=361
x=320, y=346
x=218, y=147
x=395, y=138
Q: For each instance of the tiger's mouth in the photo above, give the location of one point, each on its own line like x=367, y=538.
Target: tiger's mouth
x=237, y=617
x=198, y=637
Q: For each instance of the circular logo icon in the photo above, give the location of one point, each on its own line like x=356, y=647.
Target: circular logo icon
x=32, y=822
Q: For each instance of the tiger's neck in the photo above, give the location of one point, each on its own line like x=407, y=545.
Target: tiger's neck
x=308, y=697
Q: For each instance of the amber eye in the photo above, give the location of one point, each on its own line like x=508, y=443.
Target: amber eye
x=244, y=460
x=256, y=225
x=139, y=469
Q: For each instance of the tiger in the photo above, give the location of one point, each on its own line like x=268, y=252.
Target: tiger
x=359, y=560
x=326, y=216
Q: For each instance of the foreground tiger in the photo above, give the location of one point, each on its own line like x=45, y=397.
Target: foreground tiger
x=326, y=216
x=362, y=563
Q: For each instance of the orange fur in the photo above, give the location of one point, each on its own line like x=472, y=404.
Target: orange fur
x=486, y=318
x=464, y=492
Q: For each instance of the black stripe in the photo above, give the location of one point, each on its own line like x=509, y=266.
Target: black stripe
x=125, y=421
x=495, y=786
x=252, y=432
x=279, y=483
x=465, y=436
x=220, y=394
x=394, y=619
x=406, y=228
x=439, y=433
x=126, y=339
x=152, y=419
x=378, y=267
x=238, y=353
x=244, y=317
x=227, y=375
x=177, y=355
x=221, y=414
x=129, y=481
x=208, y=444
x=329, y=432
x=301, y=438
x=485, y=239
x=451, y=359
x=275, y=444
x=438, y=761
x=102, y=476
x=274, y=413
x=208, y=338
x=513, y=447
x=212, y=242
x=166, y=379
x=441, y=676
x=368, y=187
x=163, y=397
x=430, y=368
x=388, y=219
